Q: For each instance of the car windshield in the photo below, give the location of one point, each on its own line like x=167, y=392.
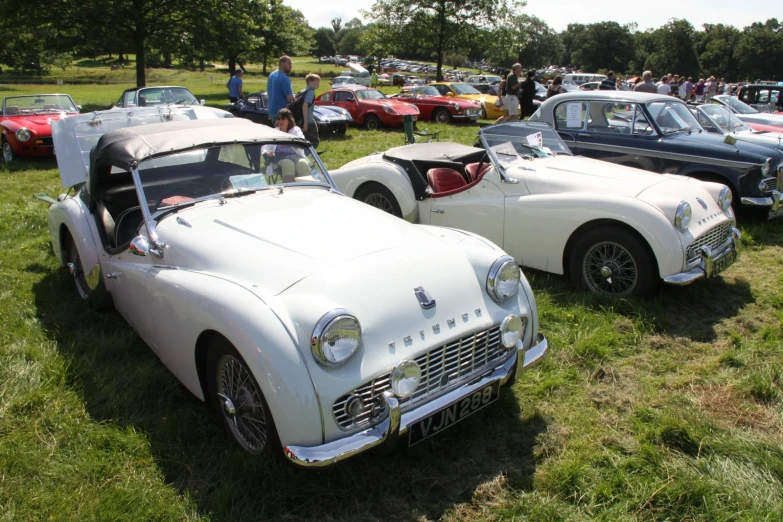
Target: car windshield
x=425, y=91
x=370, y=94
x=185, y=178
x=38, y=103
x=672, y=116
x=507, y=143
x=463, y=88
x=165, y=96
x=739, y=106
x=723, y=118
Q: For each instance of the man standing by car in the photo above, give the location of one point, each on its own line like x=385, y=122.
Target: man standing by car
x=309, y=128
x=511, y=100
x=608, y=83
x=647, y=84
x=278, y=87
x=234, y=85
x=527, y=95
x=373, y=79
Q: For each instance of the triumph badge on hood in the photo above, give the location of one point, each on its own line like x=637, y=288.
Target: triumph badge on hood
x=425, y=300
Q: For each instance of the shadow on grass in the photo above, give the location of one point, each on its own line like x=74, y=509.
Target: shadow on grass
x=691, y=311
x=21, y=164
x=123, y=384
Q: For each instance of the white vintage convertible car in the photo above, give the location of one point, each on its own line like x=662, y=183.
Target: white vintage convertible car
x=313, y=323
x=615, y=230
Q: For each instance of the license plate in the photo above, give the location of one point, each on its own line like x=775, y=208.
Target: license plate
x=453, y=413
x=721, y=264
x=775, y=213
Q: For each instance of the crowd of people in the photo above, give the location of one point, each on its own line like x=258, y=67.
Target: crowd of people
x=681, y=87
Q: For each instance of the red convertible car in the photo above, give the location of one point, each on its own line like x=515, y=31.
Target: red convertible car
x=442, y=109
x=368, y=107
x=25, y=123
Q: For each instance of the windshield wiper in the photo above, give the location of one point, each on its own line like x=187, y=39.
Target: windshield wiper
x=236, y=193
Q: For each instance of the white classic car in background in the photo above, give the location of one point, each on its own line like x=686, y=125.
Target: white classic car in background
x=615, y=230
x=307, y=319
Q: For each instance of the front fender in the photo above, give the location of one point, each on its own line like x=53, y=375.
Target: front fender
x=185, y=304
x=559, y=216
x=351, y=178
x=70, y=216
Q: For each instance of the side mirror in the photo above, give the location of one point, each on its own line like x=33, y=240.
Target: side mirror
x=78, y=107
x=729, y=139
x=450, y=94
x=140, y=246
x=202, y=102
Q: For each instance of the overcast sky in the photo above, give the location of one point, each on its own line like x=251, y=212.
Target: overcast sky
x=559, y=13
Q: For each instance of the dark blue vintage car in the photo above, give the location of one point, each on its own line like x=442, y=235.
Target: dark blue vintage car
x=658, y=133
x=254, y=107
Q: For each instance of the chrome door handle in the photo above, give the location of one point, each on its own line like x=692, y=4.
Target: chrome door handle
x=583, y=135
x=113, y=275
x=438, y=210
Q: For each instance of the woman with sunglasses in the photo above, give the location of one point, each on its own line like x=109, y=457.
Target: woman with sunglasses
x=291, y=160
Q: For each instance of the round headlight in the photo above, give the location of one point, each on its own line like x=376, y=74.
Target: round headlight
x=23, y=134
x=503, y=279
x=765, y=168
x=724, y=200
x=336, y=337
x=682, y=218
x=512, y=330
x=405, y=378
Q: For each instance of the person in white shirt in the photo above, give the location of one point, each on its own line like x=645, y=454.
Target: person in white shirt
x=291, y=160
x=663, y=86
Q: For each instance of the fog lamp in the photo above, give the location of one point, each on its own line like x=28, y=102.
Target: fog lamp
x=405, y=378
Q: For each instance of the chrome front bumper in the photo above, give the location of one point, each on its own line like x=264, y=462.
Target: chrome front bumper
x=706, y=266
x=773, y=201
x=396, y=423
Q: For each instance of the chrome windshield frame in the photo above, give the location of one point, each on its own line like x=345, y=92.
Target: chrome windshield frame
x=493, y=158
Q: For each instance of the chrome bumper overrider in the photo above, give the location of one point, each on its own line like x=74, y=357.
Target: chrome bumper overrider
x=708, y=260
x=772, y=201
x=395, y=424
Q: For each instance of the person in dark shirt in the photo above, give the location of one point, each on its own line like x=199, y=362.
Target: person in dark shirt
x=527, y=95
x=608, y=83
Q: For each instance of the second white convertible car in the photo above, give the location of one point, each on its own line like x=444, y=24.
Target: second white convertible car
x=616, y=230
x=307, y=319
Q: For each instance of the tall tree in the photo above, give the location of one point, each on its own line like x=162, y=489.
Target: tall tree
x=525, y=39
x=337, y=24
x=438, y=24
x=603, y=45
x=285, y=31
x=715, y=48
x=760, y=51
x=674, y=50
x=323, y=44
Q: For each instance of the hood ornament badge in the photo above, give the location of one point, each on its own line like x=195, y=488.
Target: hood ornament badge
x=702, y=203
x=425, y=300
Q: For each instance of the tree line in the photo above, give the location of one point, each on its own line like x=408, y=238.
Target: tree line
x=39, y=35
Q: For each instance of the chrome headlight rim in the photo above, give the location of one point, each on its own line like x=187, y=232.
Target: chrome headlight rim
x=683, y=215
x=493, y=279
x=512, y=331
x=725, y=199
x=23, y=134
x=322, y=328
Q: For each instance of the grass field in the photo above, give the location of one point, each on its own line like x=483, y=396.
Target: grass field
x=660, y=410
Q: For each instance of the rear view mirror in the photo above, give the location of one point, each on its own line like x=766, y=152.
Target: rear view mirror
x=202, y=102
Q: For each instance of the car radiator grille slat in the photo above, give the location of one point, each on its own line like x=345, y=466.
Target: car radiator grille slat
x=769, y=184
x=713, y=238
x=441, y=368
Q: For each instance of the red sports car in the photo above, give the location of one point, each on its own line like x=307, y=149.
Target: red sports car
x=442, y=109
x=368, y=107
x=25, y=123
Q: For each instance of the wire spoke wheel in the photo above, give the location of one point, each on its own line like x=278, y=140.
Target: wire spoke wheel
x=8, y=152
x=77, y=271
x=241, y=404
x=380, y=201
x=610, y=269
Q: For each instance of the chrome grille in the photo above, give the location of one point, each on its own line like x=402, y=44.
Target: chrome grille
x=768, y=184
x=441, y=368
x=713, y=238
x=780, y=178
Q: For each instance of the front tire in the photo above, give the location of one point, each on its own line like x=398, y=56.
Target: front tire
x=372, y=122
x=8, y=152
x=484, y=115
x=378, y=196
x=612, y=262
x=77, y=271
x=238, y=400
x=442, y=116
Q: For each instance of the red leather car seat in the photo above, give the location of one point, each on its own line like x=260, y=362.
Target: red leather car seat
x=473, y=172
x=445, y=180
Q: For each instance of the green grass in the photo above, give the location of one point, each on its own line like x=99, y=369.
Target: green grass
x=660, y=410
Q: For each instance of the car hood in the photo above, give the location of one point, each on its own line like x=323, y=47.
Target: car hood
x=765, y=138
x=564, y=174
x=269, y=241
x=38, y=123
x=713, y=145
